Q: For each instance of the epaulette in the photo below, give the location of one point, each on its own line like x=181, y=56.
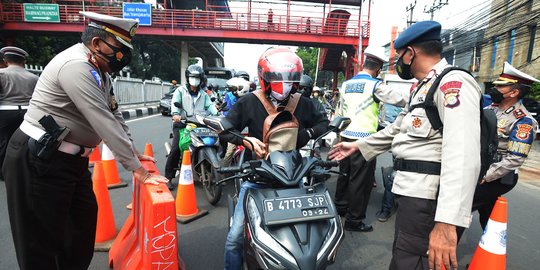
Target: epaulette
x=519, y=113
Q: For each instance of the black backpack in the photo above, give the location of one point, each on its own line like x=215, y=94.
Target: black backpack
x=488, y=121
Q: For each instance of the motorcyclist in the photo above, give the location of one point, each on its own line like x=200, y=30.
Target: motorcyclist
x=194, y=101
x=242, y=74
x=279, y=74
x=306, y=89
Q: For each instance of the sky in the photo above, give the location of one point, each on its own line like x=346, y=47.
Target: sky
x=384, y=14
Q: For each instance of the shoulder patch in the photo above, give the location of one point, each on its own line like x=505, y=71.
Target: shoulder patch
x=521, y=137
x=519, y=113
x=451, y=93
x=96, y=76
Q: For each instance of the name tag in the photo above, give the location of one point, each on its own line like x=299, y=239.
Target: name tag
x=355, y=88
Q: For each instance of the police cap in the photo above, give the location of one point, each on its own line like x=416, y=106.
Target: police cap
x=123, y=29
x=420, y=31
x=512, y=75
x=10, y=50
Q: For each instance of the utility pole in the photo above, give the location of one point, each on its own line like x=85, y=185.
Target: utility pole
x=436, y=6
x=410, y=9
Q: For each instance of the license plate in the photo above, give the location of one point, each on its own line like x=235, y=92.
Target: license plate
x=296, y=209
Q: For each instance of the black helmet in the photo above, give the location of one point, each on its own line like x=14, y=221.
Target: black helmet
x=306, y=86
x=195, y=71
x=242, y=74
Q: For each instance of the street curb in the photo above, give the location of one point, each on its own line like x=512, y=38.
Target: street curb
x=139, y=112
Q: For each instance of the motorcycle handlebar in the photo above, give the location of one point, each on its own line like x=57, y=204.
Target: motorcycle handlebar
x=229, y=169
x=327, y=164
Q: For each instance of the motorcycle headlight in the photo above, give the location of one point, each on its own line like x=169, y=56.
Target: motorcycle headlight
x=263, y=237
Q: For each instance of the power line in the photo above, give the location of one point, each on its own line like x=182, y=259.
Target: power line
x=436, y=6
x=410, y=17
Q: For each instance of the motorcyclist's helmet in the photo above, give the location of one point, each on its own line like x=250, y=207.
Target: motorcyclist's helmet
x=195, y=75
x=279, y=71
x=238, y=86
x=242, y=74
x=306, y=86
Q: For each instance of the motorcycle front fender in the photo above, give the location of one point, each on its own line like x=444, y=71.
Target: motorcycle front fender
x=210, y=155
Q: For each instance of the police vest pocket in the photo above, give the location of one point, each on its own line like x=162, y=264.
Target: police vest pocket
x=418, y=125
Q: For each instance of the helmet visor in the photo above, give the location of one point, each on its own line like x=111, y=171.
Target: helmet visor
x=286, y=76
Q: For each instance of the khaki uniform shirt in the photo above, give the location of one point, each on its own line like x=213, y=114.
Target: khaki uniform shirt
x=412, y=137
x=516, y=129
x=16, y=85
x=79, y=96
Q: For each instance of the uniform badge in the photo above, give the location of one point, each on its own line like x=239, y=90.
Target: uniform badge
x=523, y=131
x=417, y=122
x=96, y=76
x=451, y=93
x=519, y=113
x=509, y=110
x=133, y=30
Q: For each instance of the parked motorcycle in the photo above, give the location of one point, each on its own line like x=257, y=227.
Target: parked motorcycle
x=288, y=225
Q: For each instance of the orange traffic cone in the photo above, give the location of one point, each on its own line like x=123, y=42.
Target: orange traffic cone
x=148, y=151
x=105, y=229
x=491, y=251
x=110, y=169
x=186, y=201
x=95, y=156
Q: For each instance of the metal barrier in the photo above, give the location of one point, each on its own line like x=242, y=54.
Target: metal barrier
x=129, y=91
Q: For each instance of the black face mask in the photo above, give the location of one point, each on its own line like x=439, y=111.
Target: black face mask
x=496, y=96
x=404, y=70
x=120, y=57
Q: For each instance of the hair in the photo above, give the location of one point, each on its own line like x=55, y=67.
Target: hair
x=523, y=89
x=14, y=59
x=91, y=32
x=372, y=65
x=430, y=47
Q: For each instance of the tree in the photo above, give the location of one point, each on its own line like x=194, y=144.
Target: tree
x=309, y=58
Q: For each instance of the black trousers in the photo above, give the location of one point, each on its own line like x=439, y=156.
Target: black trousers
x=9, y=122
x=52, y=208
x=174, y=156
x=485, y=197
x=354, y=189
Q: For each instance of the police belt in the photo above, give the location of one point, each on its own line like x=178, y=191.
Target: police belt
x=65, y=147
x=417, y=166
x=13, y=107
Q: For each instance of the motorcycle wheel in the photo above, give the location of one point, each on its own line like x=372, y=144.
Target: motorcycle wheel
x=209, y=176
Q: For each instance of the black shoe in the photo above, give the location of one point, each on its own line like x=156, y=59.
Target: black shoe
x=357, y=227
x=383, y=215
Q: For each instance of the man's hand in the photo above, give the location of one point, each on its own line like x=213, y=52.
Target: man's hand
x=260, y=148
x=146, y=158
x=483, y=181
x=144, y=177
x=342, y=150
x=442, y=247
x=176, y=118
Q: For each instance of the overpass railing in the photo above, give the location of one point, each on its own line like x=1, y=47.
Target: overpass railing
x=203, y=19
x=130, y=91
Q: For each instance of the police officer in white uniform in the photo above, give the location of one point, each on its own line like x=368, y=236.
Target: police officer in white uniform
x=516, y=130
x=436, y=175
x=52, y=207
x=359, y=100
x=16, y=88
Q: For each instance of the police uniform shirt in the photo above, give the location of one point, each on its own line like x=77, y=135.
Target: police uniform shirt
x=80, y=97
x=516, y=129
x=412, y=138
x=16, y=85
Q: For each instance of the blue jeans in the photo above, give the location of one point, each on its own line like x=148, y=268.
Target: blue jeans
x=235, y=238
x=388, y=196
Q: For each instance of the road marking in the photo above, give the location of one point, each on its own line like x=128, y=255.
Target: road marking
x=142, y=118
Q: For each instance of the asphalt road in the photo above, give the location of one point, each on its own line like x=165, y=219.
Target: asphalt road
x=201, y=242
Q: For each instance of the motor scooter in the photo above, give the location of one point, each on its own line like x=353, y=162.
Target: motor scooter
x=288, y=225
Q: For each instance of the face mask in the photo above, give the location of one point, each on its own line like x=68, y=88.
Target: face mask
x=281, y=90
x=496, y=96
x=194, y=81
x=120, y=57
x=404, y=70
x=316, y=95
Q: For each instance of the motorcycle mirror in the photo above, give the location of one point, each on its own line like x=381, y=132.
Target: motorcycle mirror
x=218, y=124
x=339, y=123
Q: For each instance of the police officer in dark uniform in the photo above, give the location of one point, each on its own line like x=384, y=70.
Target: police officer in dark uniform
x=16, y=87
x=52, y=207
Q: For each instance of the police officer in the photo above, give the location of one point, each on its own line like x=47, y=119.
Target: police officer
x=52, y=207
x=360, y=97
x=16, y=88
x=516, y=130
x=194, y=101
x=436, y=173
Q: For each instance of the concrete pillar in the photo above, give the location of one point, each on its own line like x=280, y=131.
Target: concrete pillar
x=184, y=57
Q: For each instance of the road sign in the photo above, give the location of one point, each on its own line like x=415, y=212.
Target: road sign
x=41, y=13
x=138, y=11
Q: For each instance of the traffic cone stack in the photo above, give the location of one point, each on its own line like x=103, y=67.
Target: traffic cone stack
x=109, y=167
x=491, y=251
x=105, y=229
x=186, y=201
x=95, y=156
x=148, y=151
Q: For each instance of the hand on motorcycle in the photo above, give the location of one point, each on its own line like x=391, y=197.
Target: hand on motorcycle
x=144, y=177
x=342, y=150
x=260, y=148
x=176, y=118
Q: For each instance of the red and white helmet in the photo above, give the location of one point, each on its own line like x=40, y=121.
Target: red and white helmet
x=279, y=72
